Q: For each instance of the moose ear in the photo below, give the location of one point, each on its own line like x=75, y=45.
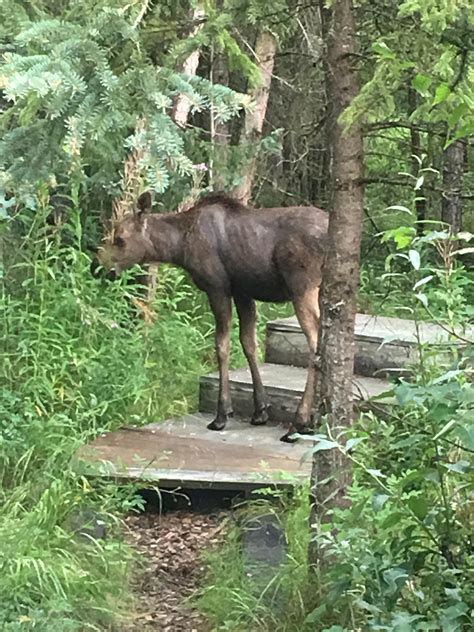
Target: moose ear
x=144, y=202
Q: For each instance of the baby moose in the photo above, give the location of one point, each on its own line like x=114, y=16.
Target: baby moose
x=234, y=252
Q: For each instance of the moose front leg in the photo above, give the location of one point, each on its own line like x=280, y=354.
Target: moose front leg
x=222, y=309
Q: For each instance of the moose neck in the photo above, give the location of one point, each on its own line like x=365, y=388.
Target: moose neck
x=166, y=235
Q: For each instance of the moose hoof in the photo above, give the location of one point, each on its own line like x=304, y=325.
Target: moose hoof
x=217, y=424
x=289, y=437
x=260, y=418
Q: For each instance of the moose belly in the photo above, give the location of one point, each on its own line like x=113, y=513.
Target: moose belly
x=266, y=288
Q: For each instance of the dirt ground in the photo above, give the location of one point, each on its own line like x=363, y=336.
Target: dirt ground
x=171, y=546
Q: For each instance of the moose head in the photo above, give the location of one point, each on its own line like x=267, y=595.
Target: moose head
x=129, y=242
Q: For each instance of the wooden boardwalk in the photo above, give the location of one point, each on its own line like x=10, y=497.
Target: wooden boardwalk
x=182, y=452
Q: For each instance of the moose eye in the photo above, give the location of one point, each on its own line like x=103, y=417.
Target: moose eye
x=119, y=242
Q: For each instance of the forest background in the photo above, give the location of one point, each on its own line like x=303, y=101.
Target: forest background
x=100, y=100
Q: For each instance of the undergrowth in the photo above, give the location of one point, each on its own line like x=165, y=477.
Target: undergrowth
x=238, y=594
x=401, y=556
x=77, y=360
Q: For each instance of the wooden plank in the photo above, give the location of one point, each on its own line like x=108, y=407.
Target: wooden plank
x=183, y=452
x=383, y=346
x=284, y=386
x=384, y=328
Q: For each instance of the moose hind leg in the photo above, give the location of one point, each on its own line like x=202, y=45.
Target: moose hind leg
x=222, y=309
x=248, y=338
x=307, y=312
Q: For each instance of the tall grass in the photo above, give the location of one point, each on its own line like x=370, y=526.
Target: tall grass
x=237, y=598
x=76, y=362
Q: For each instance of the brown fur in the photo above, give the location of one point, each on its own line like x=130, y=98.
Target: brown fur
x=234, y=252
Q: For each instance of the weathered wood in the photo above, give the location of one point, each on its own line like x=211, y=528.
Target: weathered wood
x=183, y=453
x=284, y=386
x=383, y=346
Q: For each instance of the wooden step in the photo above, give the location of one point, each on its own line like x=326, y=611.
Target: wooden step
x=384, y=346
x=184, y=453
x=284, y=385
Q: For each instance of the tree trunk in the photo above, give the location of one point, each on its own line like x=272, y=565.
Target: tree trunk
x=325, y=168
x=451, y=206
x=331, y=473
x=220, y=133
x=181, y=103
x=265, y=51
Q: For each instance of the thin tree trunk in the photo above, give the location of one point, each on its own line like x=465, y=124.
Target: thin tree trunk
x=325, y=168
x=453, y=167
x=416, y=152
x=265, y=51
x=331, y=473
x=220, y=133
x=181, y=103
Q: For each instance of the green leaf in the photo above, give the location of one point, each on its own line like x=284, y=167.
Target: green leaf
x=383, y=50
x=445, y=429
x=376, y=473
x=419, y=506
x=423, y=298
x=414, y=257
x=461, y=467
x=404, y=622
x=468, y=394
x=395, y=578
x=453, y=593
x=315, y=615
x=423, y=281
x=462, y=132
x=324, y=444
x=402, y=236
x=393, y=519
x=419, y=183
x=398, y=207
x=457, y=114
x=465, y=434
x=421, y=83
x=351, y=443
x=464, y=251
x=379, y=501
x=369, y=607
x=451, y=615
x=442, y=93
x=446, y=377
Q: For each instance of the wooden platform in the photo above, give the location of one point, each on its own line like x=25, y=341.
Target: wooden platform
x=384, y=346
x=184, y=453
x=284, y=386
